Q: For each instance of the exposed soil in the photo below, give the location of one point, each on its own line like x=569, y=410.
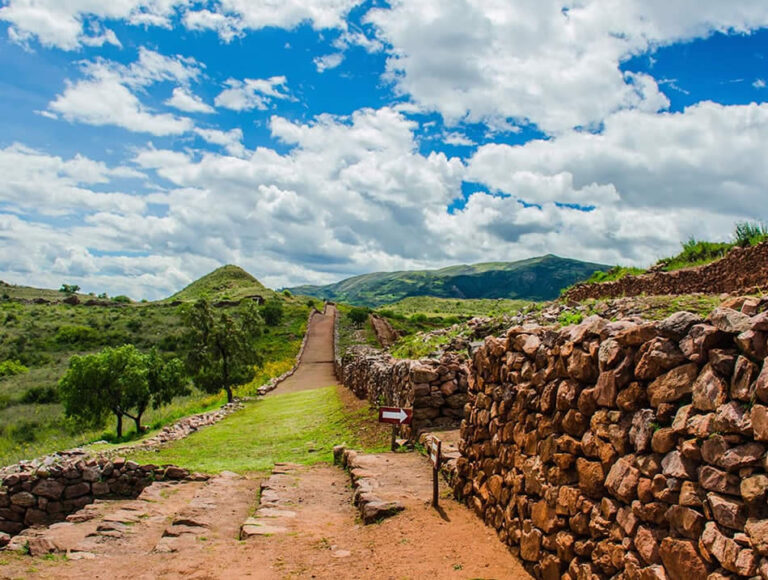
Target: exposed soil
x=191, y=529
x=315, y=368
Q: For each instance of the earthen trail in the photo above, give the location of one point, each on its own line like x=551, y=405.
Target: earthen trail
x=315, y=368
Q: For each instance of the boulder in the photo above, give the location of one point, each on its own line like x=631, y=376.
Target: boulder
x=673, y=385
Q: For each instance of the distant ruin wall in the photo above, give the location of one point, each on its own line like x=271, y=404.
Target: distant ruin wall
x=623, y=449
x=435, y=389
x=741, y=270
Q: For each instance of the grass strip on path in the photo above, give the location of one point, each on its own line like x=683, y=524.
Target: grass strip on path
x=298, y=427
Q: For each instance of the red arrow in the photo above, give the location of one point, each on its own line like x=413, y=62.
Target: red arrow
x=396, y=415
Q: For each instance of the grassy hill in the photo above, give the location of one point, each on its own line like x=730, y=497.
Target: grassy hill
x=539, y=278
x=225, y=283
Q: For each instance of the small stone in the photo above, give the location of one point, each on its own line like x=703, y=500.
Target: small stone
x=77, y=490
x=622, y=480
x=23, y=499
x=647, y=545
x=685, y=521
x=530, y=543
x=675, y=465
x=713, y=479
x=730, y=321
x=759, y=420
x=673, y=386
x=591, y=477
x=663, y=440
x=678, y=324
x=681, y=560
x=709, y=391
x=40, y=546
x=49, y=488
x=728, y=512
x=757, y=530
x=753, y=489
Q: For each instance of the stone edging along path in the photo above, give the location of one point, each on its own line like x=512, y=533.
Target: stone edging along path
x=45, y=490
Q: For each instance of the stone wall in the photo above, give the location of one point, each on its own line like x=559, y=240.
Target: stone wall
x=435, y=389
x=624, y=449
x=40, y=495
x=741, y=270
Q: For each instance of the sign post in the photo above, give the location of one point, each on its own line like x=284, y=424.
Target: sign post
x=396, y=416
x=435, y=447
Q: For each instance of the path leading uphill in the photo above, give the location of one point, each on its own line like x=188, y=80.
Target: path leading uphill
x=300, y=522
x=315, y=368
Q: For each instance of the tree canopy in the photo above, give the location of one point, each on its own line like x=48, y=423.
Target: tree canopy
x=222, y=353
x=122, y=381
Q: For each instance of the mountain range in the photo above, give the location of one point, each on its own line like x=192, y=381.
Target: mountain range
x=539, y=278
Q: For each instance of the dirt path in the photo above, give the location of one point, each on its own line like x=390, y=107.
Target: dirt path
x=315, y=368
x=191, y=530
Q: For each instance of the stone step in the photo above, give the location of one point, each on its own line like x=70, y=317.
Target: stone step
x=272, y=517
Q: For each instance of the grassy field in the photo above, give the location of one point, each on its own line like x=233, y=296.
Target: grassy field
x=298, y=427
x=448, y=307
x=43, y=337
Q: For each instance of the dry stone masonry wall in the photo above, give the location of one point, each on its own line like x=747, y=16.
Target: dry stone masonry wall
x=435, y=389
x=624, y=449
x=741, y=270
x=44, y=494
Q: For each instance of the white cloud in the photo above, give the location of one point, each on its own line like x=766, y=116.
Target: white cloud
x=63, y=24
x=328, y=62
x=553, y=64
x=232, y=140
x=251, y=94
x=183, y=100
x=105, y=95
x=232, y=18
x=759, y=84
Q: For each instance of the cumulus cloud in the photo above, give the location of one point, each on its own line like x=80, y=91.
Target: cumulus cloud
x=105, y=96
x=551, y=63
x=328, y=62
x=232, y=140
x=251, y=94
x=66, y=25
x=183, y=100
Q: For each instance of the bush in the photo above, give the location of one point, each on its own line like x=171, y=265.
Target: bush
x=69, y=288
x=272, y=311
x=750, y=234
x=358, y=315
x=79, y=335
x=9, y=368
x=122, y=299
x=695, y=253
x=41, y=395
x=287, y=293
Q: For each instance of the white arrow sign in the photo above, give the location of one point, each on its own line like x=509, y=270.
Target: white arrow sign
x=400, y=415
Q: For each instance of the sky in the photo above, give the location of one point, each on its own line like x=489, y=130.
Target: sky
x=146, y=142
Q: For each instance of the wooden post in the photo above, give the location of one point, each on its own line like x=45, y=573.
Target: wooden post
x=393, y=443
x=434, y=455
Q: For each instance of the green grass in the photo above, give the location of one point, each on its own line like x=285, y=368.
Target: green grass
x=433, y=307
x=298, y=427
x=41, y=337
x=615, y=273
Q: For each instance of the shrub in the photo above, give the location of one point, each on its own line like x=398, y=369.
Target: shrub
x=750, y=233
x=69, y=288
x=80, y=335
x=567, y=318
x=358, y=315
x=272, y=311
x=122, y=299
x=287, y=293
x=9, y=368
x=41, y=395
x=696, y=252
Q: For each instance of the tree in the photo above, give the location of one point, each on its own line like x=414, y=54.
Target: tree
x=69, y=288
x=221, y=346
x=358, y=315
x=121, y=381
x=272, y=311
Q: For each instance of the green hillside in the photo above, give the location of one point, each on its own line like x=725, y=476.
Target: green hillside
x=225, y=283
x=534, y=279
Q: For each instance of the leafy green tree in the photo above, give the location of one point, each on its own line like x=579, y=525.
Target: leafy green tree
x=272, y=311
x=359, y=315
x=69, y=288
x=222, y=352
x=121, y=381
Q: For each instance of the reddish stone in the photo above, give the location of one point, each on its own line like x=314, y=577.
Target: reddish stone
x=681, y=560
x=591, y=477
x=673, y=385
x=709, y=391
x=622, y=480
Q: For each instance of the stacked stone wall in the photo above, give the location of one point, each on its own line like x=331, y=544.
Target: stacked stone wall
x=41, y=495
x=435, y=389
x=740, y=271
x=623, y=449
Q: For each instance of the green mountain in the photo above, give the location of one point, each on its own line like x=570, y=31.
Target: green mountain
x=534, y=279
x=225, y=283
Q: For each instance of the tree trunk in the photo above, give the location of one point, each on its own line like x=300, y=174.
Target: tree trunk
x=137, y=419
x=119, y=425
x=229, y=393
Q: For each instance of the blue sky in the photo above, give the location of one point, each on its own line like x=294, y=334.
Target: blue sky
x=146, y=142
